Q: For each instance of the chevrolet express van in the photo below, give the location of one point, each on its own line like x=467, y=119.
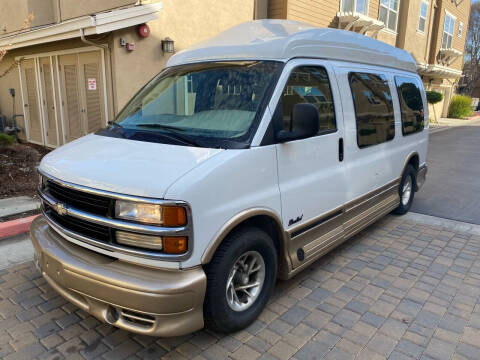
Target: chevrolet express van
x=246, y=159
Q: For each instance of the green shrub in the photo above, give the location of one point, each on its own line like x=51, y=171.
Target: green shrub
x=6, y=139
x=460, y=107
x=434, y=97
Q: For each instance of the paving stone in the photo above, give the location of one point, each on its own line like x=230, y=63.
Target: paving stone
x=151, y=352
x=312, y=351
x=372, y=319
x=393, y=328
x=439, y=349
x=245, y=353
x=357, y=307
x=382, y=344
x=295, y=315
x=346, y=318
x=46, y=330
x=409, y=348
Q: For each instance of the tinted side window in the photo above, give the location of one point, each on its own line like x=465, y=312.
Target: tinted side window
x=309, y=84
x=411, y=104
x=373, y=108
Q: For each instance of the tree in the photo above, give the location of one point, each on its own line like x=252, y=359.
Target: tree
x=3, y=51
x=472, y=51
x=434, y=97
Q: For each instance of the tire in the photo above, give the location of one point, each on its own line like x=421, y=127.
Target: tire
x=241, y=247
x=408, y=177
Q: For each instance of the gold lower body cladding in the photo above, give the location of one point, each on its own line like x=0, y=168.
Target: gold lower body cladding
x=325, y=232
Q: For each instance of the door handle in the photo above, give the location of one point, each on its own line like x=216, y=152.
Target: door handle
x=340, y=149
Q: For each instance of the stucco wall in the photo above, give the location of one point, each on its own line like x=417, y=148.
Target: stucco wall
x=13, y=14
x=75, y=8
x=186, y=22
x=410, y=37
x=462, y=13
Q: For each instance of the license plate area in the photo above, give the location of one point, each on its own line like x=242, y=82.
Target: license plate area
x=53, y=269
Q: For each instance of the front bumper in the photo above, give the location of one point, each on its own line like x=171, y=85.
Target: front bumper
x=135, y=298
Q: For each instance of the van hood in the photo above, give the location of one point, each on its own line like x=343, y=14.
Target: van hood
x=123, y=166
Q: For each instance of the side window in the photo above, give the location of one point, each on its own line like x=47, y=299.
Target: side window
x=309, y=84
x=373, y=108
x=411, y=104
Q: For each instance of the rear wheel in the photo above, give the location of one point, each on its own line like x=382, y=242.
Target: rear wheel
x=240, y=279
x=406, y=190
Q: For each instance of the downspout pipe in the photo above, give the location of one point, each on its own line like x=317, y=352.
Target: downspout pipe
x=84, y=40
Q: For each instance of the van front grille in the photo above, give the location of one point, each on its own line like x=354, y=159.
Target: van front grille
x=81, y=200
x=81, y=227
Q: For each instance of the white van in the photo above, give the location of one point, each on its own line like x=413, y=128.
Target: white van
x=249, y=157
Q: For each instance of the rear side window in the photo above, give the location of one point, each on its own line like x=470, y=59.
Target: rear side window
x=309, y=84
x=373, y=108
x=411, y=104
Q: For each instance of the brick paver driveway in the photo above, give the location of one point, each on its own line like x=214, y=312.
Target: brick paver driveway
x=399, y=290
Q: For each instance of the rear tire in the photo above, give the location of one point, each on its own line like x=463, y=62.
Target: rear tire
x=406, y=190
x=246, y=249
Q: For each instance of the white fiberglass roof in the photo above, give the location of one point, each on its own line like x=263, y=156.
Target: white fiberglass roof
x=285, y=39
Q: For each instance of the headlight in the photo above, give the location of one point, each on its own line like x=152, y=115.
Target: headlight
x=170, y=216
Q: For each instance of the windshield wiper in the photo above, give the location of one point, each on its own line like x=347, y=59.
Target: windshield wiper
x=113, y=123
x=173, y=132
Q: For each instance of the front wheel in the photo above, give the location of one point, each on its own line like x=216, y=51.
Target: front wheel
x=240, y=279
x=406, y=190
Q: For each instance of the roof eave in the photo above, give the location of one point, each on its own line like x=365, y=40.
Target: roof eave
x=92, y=24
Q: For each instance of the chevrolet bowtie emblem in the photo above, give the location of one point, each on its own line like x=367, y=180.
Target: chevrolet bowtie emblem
x=60, y=208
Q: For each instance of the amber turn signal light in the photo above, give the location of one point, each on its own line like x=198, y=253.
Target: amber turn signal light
x=174, y=216
x=174, y=245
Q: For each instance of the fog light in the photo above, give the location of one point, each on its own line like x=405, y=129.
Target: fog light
x=139, y=240
x=174, y=245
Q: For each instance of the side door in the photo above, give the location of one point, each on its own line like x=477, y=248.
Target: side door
x=32, y=104
x=48, y=101
x=369, y=145
x=91, y=89
x=71, y=98
x=311, y=171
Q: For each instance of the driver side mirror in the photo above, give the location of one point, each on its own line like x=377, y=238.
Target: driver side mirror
x=305, y=123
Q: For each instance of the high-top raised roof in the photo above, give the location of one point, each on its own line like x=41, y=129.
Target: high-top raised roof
x=284, y=39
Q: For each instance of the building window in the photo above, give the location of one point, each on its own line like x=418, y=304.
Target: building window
x=359, y=6
x=411, y=104
x=389, y=13
x=460, y=29
x=423, y=16
x=448, y=27
x=373, y=108
x=309, y=84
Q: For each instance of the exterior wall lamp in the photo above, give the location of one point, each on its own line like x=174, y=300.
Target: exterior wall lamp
x=168, y=45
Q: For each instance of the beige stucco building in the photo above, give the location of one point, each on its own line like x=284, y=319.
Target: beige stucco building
x=74, y=64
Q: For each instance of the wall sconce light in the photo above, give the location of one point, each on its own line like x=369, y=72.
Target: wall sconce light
x=168, y=45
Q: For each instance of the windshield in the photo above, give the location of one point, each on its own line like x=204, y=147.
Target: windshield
x=217, y=104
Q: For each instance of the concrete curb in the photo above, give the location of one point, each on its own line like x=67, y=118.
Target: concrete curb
x=15, y=227
x=454, y=225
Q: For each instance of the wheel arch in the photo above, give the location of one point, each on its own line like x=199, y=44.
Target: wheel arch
x=414, y=160
x=263, y=218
